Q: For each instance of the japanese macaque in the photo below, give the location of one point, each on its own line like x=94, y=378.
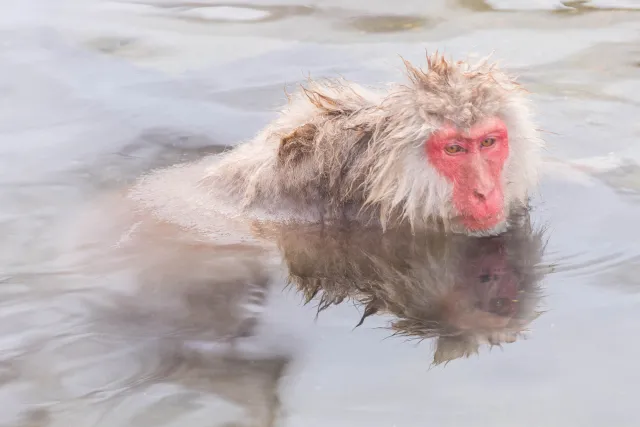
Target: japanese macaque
x=463, y=291
x=337, y=187
x=455, y=148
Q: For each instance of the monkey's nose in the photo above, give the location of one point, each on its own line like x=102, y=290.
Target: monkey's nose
x=485, y=198
x=480, y=195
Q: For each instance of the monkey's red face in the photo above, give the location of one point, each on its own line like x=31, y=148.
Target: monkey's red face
x=472, y=161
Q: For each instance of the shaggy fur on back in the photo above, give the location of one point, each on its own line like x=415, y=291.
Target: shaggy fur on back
x=339, y=149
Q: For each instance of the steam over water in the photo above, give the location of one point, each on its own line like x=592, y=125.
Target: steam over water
x=95, y=93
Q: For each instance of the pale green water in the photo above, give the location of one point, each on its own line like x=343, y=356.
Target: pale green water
x=94, y=93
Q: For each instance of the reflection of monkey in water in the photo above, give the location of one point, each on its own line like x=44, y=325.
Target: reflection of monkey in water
x=464, y=290
x=188, y=319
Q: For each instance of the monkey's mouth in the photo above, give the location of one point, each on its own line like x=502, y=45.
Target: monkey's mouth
x=479, y=213
x=484, y=222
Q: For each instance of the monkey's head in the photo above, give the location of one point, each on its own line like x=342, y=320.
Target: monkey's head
x=456, y=146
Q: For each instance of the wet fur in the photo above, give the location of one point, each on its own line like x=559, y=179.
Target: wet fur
x=339, y=150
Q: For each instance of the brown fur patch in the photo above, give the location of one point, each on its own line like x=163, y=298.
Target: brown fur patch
x=297, y=144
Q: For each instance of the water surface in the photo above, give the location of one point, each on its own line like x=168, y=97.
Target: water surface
x=95, y=93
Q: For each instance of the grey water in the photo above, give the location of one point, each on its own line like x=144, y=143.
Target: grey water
x=533, y=328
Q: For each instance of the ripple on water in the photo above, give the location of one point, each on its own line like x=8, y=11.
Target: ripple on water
x=585, y=264
x=527, y=5
x=610, y=4
x=572, y=6
x=225, y=13
x=127, y=47
x=388, y=23
x=72, y=361
x=603, y=251
x=233, y=12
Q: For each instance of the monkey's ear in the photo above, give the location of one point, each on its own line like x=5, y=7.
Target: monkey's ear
x=297, y=144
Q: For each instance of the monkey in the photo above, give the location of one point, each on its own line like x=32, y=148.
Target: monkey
x=455, y=148
x=463, y=291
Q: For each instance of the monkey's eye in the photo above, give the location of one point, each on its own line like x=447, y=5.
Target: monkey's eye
x=488, y=142
x=453, y=149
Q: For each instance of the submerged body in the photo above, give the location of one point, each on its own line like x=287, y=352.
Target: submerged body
x=455, y=148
